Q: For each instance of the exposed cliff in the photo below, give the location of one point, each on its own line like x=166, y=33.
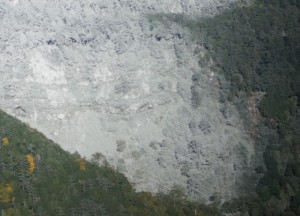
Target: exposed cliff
x=95, y=76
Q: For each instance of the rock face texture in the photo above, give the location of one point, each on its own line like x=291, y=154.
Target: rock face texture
x=96, y=76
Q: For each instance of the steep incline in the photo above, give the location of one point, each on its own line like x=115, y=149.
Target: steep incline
x=38, y=178
x=94, y=76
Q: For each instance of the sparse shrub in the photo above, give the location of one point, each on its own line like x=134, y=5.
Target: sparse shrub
x=196, y=96
x=121, y=145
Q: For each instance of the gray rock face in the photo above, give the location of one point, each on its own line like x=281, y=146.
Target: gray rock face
x=94, y=76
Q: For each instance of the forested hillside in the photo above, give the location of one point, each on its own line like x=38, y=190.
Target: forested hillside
x=257, y=48
x=38, y=178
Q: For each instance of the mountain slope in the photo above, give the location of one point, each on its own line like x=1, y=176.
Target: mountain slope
x=256, y=46
x=38, y=178
x=94, y=76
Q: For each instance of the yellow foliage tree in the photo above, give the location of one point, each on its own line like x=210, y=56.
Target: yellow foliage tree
x=82, y=164
x=31, y=163
x=5, y=193
x=5, y=141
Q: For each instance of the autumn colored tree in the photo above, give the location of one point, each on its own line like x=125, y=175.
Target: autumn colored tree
x=5, y=141
x=6, y=193
x=82, y=163
x=31, y=163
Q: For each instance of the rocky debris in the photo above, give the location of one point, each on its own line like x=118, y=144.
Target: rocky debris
x=205, y=127
x=121, y=145
x=97, y=77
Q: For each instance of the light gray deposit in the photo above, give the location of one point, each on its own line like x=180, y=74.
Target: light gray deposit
x=96, y=76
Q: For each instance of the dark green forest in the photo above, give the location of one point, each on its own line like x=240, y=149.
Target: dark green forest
x=257, y=48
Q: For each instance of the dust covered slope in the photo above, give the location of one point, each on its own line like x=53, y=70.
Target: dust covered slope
x=94, y=76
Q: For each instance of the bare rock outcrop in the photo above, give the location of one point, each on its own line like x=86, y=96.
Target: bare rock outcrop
x=95, y=76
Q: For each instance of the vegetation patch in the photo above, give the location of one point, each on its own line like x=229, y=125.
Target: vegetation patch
x=257, y=48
